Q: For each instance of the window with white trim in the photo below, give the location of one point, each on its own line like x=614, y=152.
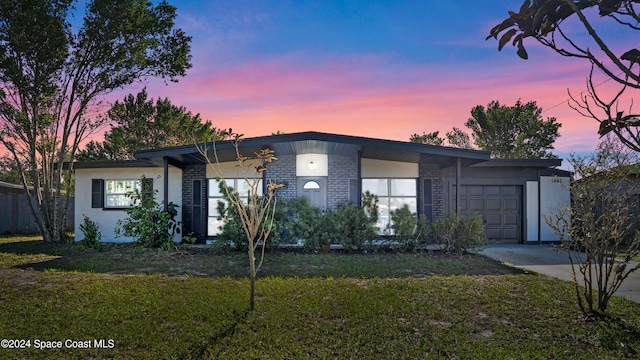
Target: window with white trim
x=214, y=196
x=392, y=193
x=117, y=193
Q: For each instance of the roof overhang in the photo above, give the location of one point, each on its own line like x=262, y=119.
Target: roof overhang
x=315, y=142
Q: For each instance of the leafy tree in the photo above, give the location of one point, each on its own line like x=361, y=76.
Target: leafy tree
x=517, y=132
x=431, y=138
x=600, y=230
x=458, y=138
x=142, y=124
x=9, y=171
x=53, y=74
x=256, y=213
x=549, y=22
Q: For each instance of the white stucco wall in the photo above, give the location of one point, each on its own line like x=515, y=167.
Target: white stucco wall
x=533, y=211
x=554, y=196
x=108, y=218
x=373, y=168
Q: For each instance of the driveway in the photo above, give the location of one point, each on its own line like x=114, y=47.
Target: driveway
x=552, y=261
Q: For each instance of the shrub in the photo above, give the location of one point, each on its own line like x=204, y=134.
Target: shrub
x=147, y=222
x=408, y=229
x=457, y=233
x=307, y=224
x=232, y=232
x=92, y=233
x=351, y=226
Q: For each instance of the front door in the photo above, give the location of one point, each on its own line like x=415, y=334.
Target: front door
x=315, y=190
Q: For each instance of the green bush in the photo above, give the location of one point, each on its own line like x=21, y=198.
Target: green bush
x=147, y=222
x=351, y=227
x=307, y=224
x=232, y=233
x=459, y=234
x=409, y=230
x=92, y=233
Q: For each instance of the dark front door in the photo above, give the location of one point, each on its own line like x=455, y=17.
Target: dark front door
x=315, y=190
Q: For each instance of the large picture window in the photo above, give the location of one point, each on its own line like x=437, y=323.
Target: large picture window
x=116, y=193
x=392, y=194
x=215, y=220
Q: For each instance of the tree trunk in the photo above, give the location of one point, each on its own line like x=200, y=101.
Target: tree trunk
x=252, y=275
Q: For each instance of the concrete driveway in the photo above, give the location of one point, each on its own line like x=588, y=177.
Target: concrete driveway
x=552, y=261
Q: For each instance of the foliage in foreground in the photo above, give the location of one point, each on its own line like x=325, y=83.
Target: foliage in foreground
x=391, y=314
x=57, y=66
x=602, y=225
x=434, y=317
x=457, y=233
x=147, y=221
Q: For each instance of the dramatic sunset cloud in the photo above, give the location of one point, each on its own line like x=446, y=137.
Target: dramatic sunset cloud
x=384, y=69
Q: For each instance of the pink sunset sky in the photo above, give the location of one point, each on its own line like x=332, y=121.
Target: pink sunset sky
x=382, y=69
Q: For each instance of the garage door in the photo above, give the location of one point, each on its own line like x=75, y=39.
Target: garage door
x=500, y=207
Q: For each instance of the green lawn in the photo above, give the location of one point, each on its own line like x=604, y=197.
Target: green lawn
x=376, y=306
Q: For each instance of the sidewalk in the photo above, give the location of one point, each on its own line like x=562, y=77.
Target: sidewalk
x=552, y=261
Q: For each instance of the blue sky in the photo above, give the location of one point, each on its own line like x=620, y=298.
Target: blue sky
x=383, y=69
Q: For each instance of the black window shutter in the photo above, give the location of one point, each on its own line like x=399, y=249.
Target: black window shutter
x=147, y=190
x=97, y=195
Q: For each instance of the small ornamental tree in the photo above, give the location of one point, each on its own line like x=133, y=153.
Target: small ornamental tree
x=599, y=230
x=256, y=212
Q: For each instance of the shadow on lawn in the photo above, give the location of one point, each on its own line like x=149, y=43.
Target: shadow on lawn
x=133, y=259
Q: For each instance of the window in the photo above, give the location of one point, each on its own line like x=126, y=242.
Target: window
x=392, y=194
x=311, y=185
x=214, y=196
x=117, y=191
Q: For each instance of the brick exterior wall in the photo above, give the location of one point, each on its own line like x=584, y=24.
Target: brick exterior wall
x=341, y=169
x=433, y=172
x=190, y=173
x=283, y=171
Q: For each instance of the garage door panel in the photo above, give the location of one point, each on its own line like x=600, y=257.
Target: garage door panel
x=493, y=204
x=493, y=219
x=494, y=234
x=510, y=204
x=476, y=205
x=500, y=207
x=510, y=234
x=510, y=219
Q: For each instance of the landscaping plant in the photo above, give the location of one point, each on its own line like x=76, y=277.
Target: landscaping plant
x=409, y=230
x=91, y=230
x=255, y=212
x=147, y=222
x=459, y=234
x=599, y=230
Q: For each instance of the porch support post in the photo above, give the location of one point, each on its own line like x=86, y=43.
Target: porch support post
x=165, y=177
x=458, y=180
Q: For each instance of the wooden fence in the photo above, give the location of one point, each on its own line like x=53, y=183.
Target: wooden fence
x=16, y=218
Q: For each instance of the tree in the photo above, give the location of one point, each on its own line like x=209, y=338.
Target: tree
x=516, y=132
x=549, y=22
x=256, y=210
x=431, y=138
x=53, y=75
x=600, y=230
x=458, y=138
x=141, y=124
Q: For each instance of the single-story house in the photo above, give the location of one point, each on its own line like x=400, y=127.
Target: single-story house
x=513, y=196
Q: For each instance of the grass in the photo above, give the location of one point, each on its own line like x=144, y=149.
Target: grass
x=308, y=306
